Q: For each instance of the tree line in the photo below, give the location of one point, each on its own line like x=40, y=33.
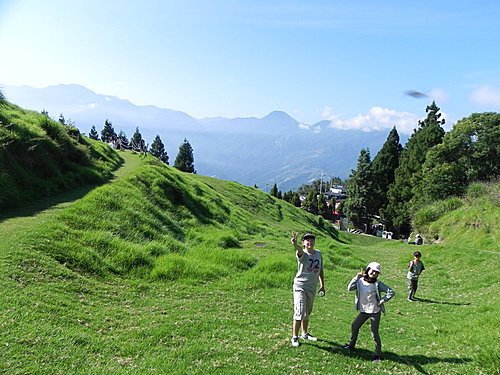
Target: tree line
x=184, y=160
x=433, y=165
x=314, y=197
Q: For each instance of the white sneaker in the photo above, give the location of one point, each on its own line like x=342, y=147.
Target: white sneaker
x=295, y=341
x=307, y=336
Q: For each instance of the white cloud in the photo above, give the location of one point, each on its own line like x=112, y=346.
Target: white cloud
x=377, y=118
x=314, y=129
x=439, y=95
x=486, y=96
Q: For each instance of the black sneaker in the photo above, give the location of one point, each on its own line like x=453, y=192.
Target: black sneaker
x=376, y=359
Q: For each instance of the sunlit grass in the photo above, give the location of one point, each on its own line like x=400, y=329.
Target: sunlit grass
x=165, y=272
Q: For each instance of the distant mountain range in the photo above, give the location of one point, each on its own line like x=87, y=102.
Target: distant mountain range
x=252, y=151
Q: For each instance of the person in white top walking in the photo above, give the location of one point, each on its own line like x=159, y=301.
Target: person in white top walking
x=305, y=283
x=370, y=304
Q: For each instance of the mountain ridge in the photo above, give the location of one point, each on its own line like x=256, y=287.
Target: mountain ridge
x=253, y=151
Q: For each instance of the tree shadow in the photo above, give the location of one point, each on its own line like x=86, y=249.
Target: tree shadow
x=417, y=361
x=425, y=300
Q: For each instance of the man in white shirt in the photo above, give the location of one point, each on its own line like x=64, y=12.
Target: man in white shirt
x=309, y=273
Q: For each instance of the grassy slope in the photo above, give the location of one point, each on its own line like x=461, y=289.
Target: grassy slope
x=40, y=157
x=166, y=272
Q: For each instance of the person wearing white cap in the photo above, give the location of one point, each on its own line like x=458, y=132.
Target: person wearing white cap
x=370, y=304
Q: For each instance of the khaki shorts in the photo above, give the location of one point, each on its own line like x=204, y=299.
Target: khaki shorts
x=303, y=302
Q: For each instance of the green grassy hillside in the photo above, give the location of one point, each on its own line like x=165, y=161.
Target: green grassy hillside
x=165, y=272
x=40, y=157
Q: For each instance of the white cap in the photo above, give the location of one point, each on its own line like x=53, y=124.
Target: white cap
x=374, y=266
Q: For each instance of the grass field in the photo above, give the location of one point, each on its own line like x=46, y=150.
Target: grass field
x=163, y=272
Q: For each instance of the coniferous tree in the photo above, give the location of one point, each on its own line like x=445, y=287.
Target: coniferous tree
x=184, y=160
x=108, y=132
x=383, y=167
x=93, y=133
x=287, y=196
x=359, y=203
x=136, y=141
x=158, y=150
x=296, y=200
x=122, y=140
x=331, y=207
x=322, y=206
x=429, y=133
x=310, y=204
x=274, y=190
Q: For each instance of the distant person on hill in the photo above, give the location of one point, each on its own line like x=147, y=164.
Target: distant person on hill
x=419, y=240
x=305, y=283
x=370, y=304
x=415, y=268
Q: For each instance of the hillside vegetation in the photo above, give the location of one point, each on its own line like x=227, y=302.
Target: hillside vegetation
x=39, y=157
x=165, y=272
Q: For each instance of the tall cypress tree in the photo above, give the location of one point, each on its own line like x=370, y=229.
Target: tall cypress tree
x=184, y=160
x=429, y=133
x=158, y=150
x=93, y=133
x=310, y=203
x=108, y=132
x=122, y=140
x=136, y=140
x=383, y=167
x=296, y=200
x=274, y=190
x=359, y=203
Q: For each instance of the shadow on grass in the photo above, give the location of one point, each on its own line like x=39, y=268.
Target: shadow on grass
x=39, y=205
x=417, y=361
x=440, y=302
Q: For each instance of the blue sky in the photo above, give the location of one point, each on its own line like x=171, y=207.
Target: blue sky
x=350, y=62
